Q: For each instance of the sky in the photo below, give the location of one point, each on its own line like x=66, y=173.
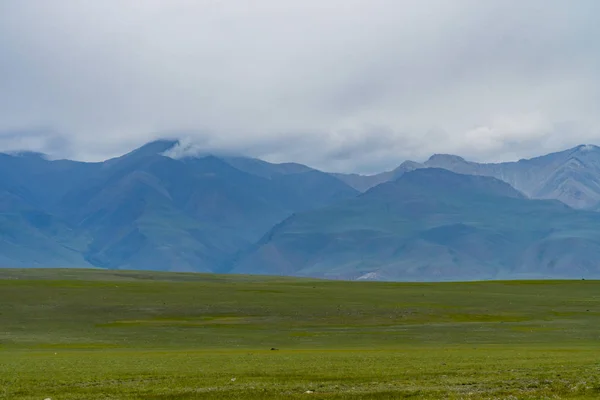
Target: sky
x=341, y=85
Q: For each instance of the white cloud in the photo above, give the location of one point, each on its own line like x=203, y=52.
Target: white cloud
x=339, y=84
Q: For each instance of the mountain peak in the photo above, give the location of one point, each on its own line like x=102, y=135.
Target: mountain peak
x=409, y=165
x=585, y=148
x=438, y=183
x=187, y=148
x=445, y=158
x=156, y=147
x=443, y=179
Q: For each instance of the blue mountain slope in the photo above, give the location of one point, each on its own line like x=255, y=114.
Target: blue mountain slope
x=571, y=176
x=144, y=210
x=31, y=237
x=432, y=224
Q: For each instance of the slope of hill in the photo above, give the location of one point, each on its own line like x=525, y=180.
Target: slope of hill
x=156, y=208
x=432, y=224
x=363, y=183
x=571, y=176
x=145, y=210
x=30, y=236
x=265, y=169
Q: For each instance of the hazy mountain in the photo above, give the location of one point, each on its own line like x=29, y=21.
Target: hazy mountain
x=432, y=224
x=571, y=176
x=363, y=183
x=43, y=182
x=265, y=169
x=30, y=237
x=160, y=207
x=144, y=210
x=188, y=214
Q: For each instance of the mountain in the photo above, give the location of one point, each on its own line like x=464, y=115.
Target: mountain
x=433, y=224
x=265, y=169
x=41, y=181
x=145, y=210
x=571, y=176
x=162, y=207
x=363, y=183
x=31, y=238
x=30, y=235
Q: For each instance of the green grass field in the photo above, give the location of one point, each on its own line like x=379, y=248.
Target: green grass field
x=75, y=334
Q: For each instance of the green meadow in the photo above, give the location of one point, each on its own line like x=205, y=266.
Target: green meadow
x=89, y=334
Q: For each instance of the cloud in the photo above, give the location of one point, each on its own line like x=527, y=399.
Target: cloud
x=35, y=140
x=339, y=84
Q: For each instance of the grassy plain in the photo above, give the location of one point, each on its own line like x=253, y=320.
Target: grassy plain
x=87, y=334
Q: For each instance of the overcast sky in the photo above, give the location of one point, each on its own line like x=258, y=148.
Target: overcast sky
x=342, y=85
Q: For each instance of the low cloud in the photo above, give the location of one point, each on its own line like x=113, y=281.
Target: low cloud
x=343, y=85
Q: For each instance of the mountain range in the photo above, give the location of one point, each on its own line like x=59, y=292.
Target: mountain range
x=444, y=219
x=571, y=176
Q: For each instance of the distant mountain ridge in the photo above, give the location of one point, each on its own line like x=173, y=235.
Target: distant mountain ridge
x=145, y=210
x=433, y=224
x=571, y=176
x=161, y=207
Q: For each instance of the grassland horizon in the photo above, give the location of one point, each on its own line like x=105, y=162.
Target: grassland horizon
x=94, y=334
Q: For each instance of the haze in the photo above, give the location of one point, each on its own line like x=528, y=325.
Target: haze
x=353, y=86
